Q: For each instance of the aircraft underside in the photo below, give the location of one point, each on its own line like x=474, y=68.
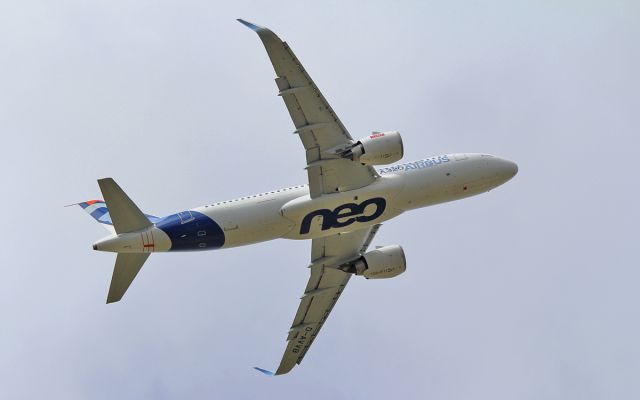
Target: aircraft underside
x=339, y=211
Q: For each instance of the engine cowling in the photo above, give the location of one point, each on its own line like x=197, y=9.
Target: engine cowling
x=381, y=263
x=379, y=148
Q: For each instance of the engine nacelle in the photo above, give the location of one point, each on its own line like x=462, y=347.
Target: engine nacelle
x=379, y=148
x=381, y=263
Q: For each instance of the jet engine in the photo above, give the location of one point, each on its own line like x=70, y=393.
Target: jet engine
x=381, y=263
x=379, y=148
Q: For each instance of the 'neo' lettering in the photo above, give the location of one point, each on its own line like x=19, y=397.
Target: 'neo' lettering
x=344, y=215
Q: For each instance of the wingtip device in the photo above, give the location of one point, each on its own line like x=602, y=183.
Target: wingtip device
x=249, y=25
x=264, y=371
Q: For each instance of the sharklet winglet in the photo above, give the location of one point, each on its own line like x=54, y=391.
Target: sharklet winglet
x=264, y=371
x=249, y=25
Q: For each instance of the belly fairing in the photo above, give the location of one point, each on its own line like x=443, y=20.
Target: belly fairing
x=343, y=212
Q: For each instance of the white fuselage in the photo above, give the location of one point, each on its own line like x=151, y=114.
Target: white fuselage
x=291, y=214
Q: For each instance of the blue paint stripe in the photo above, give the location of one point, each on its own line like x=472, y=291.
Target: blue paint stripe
x=99, y=212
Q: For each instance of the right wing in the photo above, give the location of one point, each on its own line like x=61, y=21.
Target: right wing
x=318, y=126
x=323, y=290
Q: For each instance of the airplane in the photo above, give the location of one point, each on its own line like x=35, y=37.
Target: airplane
x=340, y=209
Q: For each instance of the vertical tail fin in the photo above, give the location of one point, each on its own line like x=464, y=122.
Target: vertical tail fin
x=98, y=210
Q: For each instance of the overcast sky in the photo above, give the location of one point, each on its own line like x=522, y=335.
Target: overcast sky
x=527, y=292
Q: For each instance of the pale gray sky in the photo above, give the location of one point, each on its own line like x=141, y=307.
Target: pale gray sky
x=527, y=292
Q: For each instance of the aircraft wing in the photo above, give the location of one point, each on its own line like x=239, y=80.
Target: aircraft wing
x=324, y=287
x=318, y=126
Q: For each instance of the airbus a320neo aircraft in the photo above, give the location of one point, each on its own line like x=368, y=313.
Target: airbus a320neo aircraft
x=340, y=209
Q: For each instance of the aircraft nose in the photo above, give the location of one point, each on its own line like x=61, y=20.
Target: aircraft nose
x=509, y=168
x=500, y=170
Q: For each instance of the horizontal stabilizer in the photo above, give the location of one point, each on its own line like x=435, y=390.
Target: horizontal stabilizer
x=127, y=267
x=125, y=215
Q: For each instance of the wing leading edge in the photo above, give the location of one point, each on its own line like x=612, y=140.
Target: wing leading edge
x=321, y=131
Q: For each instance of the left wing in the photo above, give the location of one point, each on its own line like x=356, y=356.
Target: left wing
x=324, y=287
x=322, y=133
